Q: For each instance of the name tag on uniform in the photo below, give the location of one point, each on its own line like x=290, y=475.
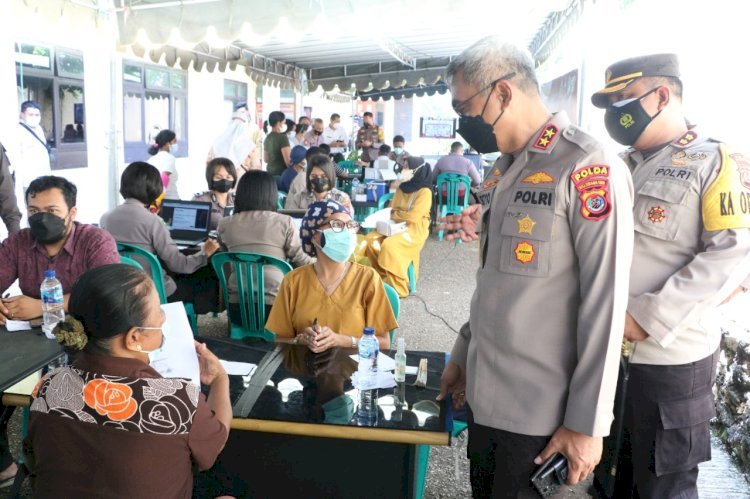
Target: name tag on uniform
x=485, y=192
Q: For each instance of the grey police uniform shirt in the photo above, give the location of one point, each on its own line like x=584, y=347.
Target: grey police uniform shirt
x=132, y=223
x=542, y=345
x=692, y=244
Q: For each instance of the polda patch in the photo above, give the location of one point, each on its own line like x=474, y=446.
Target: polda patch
x=592, y=184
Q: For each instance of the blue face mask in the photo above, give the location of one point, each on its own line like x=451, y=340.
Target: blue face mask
x=339, y=246
x=174, y=149
x=398, y=150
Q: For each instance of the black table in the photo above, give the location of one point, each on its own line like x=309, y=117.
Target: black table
x=299, y=438
x=24, y=352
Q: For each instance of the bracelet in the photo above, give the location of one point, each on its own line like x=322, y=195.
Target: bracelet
x=295, y=340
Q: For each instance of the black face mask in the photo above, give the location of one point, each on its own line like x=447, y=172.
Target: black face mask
x=318, y=132
x=320, y=184
x=47, y=228
x=478, y=133
x=223, y=185
x=626, y=120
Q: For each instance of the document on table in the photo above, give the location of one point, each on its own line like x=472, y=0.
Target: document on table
x=13, y=326
x=238, y=368
x=385, y=363
x=177, y=358
x=385, y=379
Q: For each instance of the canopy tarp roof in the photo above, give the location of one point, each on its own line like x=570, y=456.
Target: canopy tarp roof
x=344, y=45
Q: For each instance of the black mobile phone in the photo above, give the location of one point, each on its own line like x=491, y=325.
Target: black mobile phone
x=550, y=476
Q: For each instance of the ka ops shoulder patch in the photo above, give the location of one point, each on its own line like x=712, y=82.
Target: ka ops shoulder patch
x=592, y=184
x=726, y=203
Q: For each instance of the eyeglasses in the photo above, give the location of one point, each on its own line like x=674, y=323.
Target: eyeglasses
x=460, y=106
x=340, y=225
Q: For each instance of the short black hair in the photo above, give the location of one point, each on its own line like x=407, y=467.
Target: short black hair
x=338, y=157
x=275, y=117
x=367, y=113
x=323, y=162
x=384, y=149
x=30, y=104
x=48, y=182
x=256, y=191
x=456, y=145
x=335, y=116
x=290, y=124
x=312, y=151
x=108, y=301
x=399, y=138
x=141, y=181
x=214, y=164
x=325, y=148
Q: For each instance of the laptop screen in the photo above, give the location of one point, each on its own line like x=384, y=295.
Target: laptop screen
x=186, y=219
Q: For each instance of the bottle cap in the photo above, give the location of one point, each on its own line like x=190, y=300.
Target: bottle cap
x=49, y=274
x=369, y=330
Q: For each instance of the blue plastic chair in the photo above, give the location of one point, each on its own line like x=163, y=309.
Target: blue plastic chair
x=248, y=269
x=411, y=273
x=390, y=291
x=135, y=256
x=451, y=203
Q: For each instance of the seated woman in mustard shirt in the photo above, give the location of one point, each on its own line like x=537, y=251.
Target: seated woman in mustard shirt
x=391, y=255
x=327, y=304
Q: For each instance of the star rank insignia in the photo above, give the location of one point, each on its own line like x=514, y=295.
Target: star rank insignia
x=539, y=177
x=657, y=214
x=545, y=138
x=526, y=225
x=687, y=138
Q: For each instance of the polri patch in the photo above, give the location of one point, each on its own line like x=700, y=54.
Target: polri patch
x=540, y=177
x=592, y=184
x=525, y=252
x=545, y=138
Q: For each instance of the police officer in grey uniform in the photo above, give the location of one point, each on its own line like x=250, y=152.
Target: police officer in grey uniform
x=537, y=361
x=692, y=251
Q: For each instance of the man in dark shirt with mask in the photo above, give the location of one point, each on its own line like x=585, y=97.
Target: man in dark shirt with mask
x=555, y=217
x=54, y=240
x=691, y=253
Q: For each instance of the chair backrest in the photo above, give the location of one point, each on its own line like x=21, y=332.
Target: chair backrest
x=152, y=264
x=452, y=183
x=248, y=269
x=129, y=261
x=384, y=199
x=281, y=200
x=392, y=294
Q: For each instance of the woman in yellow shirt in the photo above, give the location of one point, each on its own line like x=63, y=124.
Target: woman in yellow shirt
x=390, y=256
x=327, y=304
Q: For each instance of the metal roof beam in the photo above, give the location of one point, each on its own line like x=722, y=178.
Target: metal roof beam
x=397, y=51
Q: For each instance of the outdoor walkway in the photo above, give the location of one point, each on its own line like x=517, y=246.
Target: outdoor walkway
x=445, y=287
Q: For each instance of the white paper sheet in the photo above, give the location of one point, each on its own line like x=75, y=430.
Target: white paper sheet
x=13, y=326
x=412, y=369
x=238, y=368
x=385, y=379
x=379, y=216
x=385, y=363
x=177, y=359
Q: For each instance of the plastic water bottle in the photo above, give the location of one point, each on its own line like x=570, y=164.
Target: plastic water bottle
x=367, y=412
x=52, y=302
x=400, y=374
x=355, y=188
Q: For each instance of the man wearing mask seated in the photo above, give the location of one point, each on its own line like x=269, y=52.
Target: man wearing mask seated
x=54, y=240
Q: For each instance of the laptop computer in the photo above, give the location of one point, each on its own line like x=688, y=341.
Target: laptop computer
x=187, y=221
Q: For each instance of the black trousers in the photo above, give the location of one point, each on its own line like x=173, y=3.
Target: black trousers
x=665, y=430
x=501, y=462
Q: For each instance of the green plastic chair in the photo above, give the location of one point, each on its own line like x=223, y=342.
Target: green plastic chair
x=281, y=200
x=450, y=202
x=135, y=256
x=411, y=273
x=248, y=269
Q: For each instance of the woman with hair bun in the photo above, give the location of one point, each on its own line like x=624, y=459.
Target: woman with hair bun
x=162, y=153
x=109, y=425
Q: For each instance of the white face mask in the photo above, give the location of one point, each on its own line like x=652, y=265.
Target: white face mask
x=174, y=148
x=32, y=121
x=153, y=353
